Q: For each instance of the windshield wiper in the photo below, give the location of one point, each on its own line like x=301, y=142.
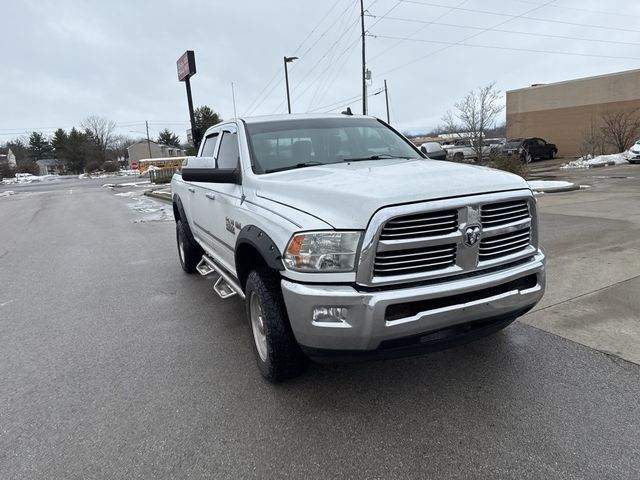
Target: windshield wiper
x=374, y=157
x=291, y=167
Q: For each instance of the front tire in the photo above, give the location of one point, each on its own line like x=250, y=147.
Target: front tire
x=189, y=252
x=277, y=353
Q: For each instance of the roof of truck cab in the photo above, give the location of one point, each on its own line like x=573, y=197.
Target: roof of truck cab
x=298, y=116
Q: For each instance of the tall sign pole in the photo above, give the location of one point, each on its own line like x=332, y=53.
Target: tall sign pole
x=186, y=65
x=364, y=65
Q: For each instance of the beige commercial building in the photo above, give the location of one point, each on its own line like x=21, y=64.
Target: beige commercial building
x=143, y=150
x=563, y=112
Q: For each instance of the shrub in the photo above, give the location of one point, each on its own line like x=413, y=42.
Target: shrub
x=509, y=164
x=91, y=166
x=110, y=166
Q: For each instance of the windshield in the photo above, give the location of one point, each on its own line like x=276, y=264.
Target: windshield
x=282, y=145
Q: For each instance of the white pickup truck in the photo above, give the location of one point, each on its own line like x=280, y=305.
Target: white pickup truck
x=346, y=242
x=463, y=149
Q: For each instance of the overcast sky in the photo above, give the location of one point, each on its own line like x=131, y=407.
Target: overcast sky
x=64, y=60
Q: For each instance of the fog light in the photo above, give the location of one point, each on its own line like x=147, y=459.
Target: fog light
x=330, y=314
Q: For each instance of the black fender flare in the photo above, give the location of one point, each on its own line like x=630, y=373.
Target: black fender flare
x=266, y=247
x=182, y=216
x=178, y=204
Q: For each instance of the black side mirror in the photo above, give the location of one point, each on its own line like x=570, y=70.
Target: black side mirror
x=212, y=175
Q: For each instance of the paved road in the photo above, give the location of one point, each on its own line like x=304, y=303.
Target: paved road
x=115, y=364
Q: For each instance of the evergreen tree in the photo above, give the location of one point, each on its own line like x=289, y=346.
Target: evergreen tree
x=205, y=117
x=59, y=143
x=39, y=146
x=75, y=151
x=167, y=137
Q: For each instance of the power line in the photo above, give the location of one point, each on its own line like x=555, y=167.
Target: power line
x=524, y=15
x=499, y=24
x=252, y=106
x=412, y=35
x=517, y=32
x=554, y=52
x=588, y=10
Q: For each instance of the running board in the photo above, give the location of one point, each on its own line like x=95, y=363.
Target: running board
x=225, y=286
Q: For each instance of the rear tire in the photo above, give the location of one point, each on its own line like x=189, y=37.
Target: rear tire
x=458, y=157
x=277, y=353
x=189, y=252
x=552, y=155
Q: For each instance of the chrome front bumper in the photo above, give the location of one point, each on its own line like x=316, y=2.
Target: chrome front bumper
x=365, y=325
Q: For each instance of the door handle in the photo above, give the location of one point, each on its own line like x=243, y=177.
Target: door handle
x=210, y=196
x=191, y=189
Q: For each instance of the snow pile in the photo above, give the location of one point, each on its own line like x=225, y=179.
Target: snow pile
x=551, y=185
x=128, y=194
x=8, y=181
x=8, y=193
x=598, y=161
x=129, y=172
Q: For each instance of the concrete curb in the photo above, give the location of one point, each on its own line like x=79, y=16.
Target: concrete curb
x=565, y=188
x=165, y=196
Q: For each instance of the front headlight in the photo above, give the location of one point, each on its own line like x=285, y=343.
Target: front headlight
x=322, y=252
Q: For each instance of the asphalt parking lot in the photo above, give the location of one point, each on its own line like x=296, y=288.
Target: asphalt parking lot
x=592, y=239
x=115, y=364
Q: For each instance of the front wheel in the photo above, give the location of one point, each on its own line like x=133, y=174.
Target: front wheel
x=277, y=353
x=189, y=252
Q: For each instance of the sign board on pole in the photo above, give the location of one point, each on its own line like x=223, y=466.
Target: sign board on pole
x=186, y=65
x=134, y=166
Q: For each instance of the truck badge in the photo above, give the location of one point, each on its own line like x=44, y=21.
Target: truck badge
x=471, y=235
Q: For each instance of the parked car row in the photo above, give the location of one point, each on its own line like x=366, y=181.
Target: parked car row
x=527, y=149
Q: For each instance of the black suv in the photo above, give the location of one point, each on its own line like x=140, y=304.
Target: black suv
x=530, y=148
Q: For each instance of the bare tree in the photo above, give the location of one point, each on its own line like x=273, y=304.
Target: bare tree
x=593, y=142
x=450, y=123
x=102, y=131
x=621, y=129
x=477, y=112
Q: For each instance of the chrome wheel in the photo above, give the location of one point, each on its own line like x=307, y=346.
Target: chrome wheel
x=257, y=326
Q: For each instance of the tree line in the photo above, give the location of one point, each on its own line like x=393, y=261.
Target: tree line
x=93, y=146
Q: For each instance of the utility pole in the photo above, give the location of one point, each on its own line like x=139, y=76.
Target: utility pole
x=148, y=141
x=386, y=99
x=286, y=79
x=364, y=65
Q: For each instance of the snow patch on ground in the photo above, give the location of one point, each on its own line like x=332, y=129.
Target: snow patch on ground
x=538, y=185
x=8, y=193
x=151, y=210
x=598, y=161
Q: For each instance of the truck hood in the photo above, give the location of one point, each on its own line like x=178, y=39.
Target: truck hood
x=346, y=195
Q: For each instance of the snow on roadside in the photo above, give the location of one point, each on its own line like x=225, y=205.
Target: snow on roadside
x=8, y=193
x=550, y=185
x=600, y=160
x=152, y=211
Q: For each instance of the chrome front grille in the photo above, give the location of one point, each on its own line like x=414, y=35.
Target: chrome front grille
x=504, y=244
x=502, y=213
x=420, y=225
x=411, y=243
x=418, y=260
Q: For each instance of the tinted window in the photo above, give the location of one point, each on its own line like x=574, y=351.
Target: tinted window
x=209, y=145
x=228, y=155
x=281, y=145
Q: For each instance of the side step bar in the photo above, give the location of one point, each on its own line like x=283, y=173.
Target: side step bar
x=225, y=286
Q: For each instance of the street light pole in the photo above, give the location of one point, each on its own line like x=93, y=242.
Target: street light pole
x=286, y=79
x=364, y=61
